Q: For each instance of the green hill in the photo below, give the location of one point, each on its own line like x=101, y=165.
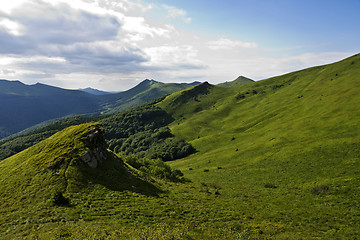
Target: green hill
x=69, y=182
x=275, y=159
x=237, y=82
x=146, y=91
x=286, y=149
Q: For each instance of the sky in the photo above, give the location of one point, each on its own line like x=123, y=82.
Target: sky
x=114, y=45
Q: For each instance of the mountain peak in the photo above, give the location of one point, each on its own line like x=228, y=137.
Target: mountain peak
x=94, y=91
x=149, y=81
x=237, y=82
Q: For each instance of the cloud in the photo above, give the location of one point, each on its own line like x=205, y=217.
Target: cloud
x=87, y=42
x=11, y=27
x=124, y=5
x=227, y=44
x=173, y=57
x=61, y=24
x=174, y=12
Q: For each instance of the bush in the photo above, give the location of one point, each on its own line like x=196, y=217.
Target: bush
x=155, y=168
x=270, y=185
x=320, y=190
x=58, y=199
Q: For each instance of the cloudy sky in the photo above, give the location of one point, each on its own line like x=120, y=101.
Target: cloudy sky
x=113, y=45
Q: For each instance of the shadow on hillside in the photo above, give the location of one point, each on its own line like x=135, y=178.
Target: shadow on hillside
x=115, y=176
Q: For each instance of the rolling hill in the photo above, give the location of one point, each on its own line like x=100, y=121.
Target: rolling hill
x=237, y=82
x=275, y=159
x=23, y=106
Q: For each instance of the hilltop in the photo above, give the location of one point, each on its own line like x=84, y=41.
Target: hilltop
x=237, y=82
x=72, y=177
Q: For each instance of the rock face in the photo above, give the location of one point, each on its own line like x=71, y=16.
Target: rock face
x=97, y=149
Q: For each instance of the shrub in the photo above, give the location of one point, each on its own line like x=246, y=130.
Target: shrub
x=155, y=168
x=240, y=96
x=270, y=185
x=320, y=190
x=58, y=199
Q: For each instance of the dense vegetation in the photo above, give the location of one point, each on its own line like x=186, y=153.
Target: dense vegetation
x=141, y=131
x=23, y=106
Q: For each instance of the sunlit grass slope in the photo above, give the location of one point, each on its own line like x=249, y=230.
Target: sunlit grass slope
x=287, y=149
x=47, y=192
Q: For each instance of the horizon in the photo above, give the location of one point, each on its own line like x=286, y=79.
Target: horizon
x=114, y=45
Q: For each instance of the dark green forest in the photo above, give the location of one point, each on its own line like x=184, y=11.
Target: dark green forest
x=141, y=131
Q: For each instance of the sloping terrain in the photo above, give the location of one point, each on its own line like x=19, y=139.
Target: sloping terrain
x=71, y=179
x=141, y=131
x=275, y=159
x=23, y=106
x=146, y=91
x=288, y=148
x=237, y=82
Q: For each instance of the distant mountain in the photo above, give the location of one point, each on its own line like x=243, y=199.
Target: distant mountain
x=23, y=106
x=145, y=91
x=94, y=91
x=237, y=82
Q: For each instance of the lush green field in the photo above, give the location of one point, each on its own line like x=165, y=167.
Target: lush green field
x=286, y=149
x=276, y=159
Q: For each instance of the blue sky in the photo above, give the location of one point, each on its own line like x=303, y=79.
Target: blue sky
x=113, y=45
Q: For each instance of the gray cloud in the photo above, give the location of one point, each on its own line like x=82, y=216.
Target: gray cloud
x=45, y=23
x=86, y=41
x=49, y=42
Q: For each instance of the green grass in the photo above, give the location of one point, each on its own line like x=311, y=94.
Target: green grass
x=298, y=132
x=276, y=159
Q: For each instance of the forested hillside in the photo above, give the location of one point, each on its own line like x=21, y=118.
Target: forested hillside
x=23, y=106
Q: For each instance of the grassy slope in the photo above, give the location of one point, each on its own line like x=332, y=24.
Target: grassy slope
x=114, y=201
x=299, y=133
x=237, y=82
x=144, y=92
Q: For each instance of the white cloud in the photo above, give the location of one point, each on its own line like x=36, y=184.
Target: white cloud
x=123, y=5
x=174, y=12
x=114, y=44
x=225, y=44
x=137, y=29
x=11, y=27
x=173, y=57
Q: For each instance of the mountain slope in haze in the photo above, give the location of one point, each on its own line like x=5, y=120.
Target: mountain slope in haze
x=237, y=82
x=94, y=91
x=287, y=148
x=145, y=91
x=23, y=106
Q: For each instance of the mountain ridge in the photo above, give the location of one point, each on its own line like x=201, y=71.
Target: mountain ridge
x=24, y=105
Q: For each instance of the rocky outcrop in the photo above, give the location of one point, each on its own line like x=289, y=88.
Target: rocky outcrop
x=97, y=149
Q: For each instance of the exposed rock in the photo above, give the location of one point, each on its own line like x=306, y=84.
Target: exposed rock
x=97, y=149
x=56, y=165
